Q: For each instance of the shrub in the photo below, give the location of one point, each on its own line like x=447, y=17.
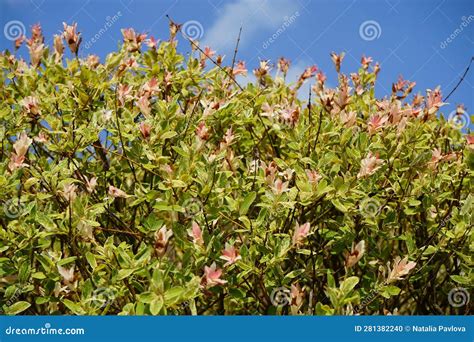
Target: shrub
x=155, y=183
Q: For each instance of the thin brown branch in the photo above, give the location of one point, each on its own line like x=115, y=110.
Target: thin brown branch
x=460, y=80
x=236, y=49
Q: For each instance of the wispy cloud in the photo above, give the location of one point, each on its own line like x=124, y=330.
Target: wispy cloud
x=254, y=16
x=295, y=72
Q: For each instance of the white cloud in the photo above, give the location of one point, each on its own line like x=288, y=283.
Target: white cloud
x=296, y=69
x=253, y=15
x=295, y=72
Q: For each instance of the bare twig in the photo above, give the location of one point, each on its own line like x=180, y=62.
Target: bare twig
x=460, y=80
x=236, y=49
x=310, y=118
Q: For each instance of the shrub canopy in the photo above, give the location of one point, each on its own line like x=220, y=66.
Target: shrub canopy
x=155, y=183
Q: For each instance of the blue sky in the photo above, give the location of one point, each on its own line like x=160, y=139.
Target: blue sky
x=427, y=41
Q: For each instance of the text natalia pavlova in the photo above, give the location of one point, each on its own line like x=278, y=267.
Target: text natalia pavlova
x=437, y=328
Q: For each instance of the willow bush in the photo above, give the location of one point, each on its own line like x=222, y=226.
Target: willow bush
x=160, y=182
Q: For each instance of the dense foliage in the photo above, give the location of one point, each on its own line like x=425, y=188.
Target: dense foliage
x=156, y=183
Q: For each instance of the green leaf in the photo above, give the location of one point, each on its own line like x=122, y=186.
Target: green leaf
x=331, y=281
x=146, y=297
x=157, y=279
x=192, y=307
x=168, y=135
x=339, y=206
x=461, y=280
x=17, y=308
x=31, y=181
x=414, y=203
x=349, y=284
x=156, y=305
x=338, y=183
x=38, y=275
x=66, y=261
x=91, y=260
x=324, y=310
x=176, y=183
x=124, y=273
x=24, y=272
x=390, y=290
x=140, y=309
x=323, y=187
x=42, y=300
x=430, y=250
x=248, y=200
x=294, y=274
x=181, y=152
x=245, y=220
x=237, y=293
x=174, y=294
x=74, y=307
x=45, y=221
